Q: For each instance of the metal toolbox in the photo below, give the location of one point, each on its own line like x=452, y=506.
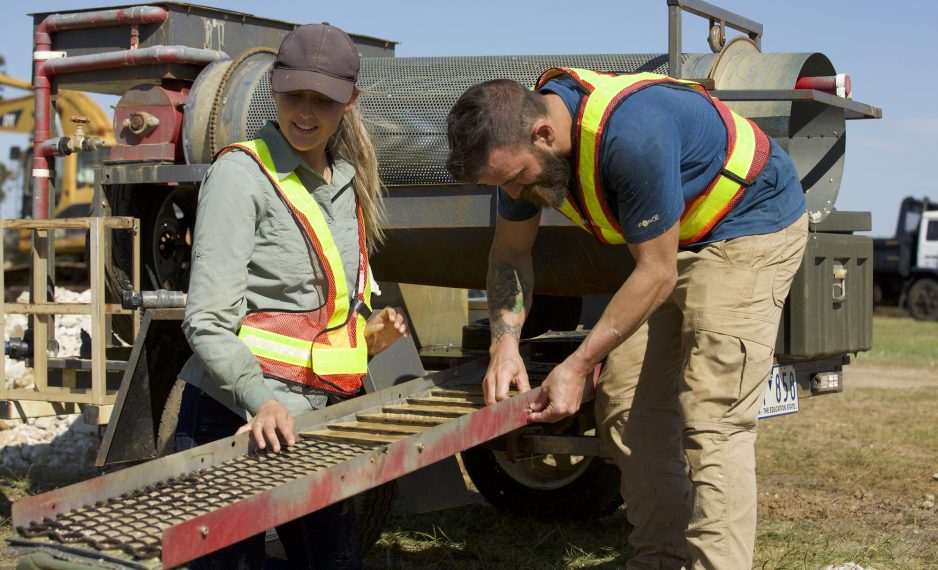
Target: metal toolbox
x=829, y=310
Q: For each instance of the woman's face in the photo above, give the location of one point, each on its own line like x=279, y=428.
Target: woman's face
x=308, y=119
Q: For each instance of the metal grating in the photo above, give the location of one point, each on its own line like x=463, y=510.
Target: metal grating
x=134, y=523
x=404, y=101
x=167, y=520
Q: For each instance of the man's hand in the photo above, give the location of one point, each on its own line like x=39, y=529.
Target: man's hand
x=384, y=328
x=561, y=394
x=271, y=419
x=506, y=369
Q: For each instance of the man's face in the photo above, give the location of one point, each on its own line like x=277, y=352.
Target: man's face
x=537, y=175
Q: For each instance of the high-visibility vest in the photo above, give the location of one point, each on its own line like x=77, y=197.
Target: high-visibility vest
x=324, y=347
x=747, y=150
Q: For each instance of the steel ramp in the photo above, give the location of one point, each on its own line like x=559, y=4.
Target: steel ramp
x=169, y=511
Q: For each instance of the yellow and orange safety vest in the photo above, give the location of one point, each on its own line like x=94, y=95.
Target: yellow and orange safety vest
x=747, y=150
x=325, y=347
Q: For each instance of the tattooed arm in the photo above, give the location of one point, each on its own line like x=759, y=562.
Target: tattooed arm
x=510, y=281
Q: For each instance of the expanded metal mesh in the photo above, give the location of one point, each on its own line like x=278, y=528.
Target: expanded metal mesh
x=261, y=108
x=405, y=101
x=134, y=522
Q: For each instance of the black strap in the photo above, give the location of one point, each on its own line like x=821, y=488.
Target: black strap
x=736, y=178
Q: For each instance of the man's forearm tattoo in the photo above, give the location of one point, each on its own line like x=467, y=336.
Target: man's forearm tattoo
x=507, y=290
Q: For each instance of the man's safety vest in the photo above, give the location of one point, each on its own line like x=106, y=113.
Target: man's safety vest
x=325, y=347
x=747, y=150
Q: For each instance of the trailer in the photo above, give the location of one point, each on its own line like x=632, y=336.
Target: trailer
x=187, y=89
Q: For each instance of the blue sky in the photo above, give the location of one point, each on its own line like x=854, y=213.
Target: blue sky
x=889, y=50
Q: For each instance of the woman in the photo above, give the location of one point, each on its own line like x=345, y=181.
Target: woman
x=280, y=277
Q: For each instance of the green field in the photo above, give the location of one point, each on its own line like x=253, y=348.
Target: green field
x=901, y=341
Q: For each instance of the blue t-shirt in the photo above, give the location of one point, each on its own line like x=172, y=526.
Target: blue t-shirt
x=663, y=146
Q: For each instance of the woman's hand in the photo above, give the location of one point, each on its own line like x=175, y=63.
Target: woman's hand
x=272, y=418
x=384, y=328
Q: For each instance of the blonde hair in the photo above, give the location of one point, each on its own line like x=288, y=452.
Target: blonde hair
x=353, y=143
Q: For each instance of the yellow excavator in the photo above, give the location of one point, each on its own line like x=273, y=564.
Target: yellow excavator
x=74, y=183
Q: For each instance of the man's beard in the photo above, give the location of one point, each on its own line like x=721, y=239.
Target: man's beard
x=551, y=188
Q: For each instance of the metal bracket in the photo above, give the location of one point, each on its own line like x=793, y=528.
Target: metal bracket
x=713, y=13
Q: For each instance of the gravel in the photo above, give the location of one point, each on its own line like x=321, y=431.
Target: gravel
x=57, y=442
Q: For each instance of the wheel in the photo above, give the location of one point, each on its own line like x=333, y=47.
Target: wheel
x=555, y=487
x=550, y=312
x=372, y=507
x=372, y=511
x=167, y=221
x=922, y=300
x=166, y=432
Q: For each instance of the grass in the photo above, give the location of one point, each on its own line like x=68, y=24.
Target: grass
x=901, y=341
x=849, y=480
x=13, y=486
x=478, y=537
x=845, y=480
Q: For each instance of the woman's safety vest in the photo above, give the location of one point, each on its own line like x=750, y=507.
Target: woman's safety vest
x=747, y=150
x=325, y=347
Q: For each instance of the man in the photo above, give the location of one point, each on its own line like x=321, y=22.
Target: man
x=713, y=214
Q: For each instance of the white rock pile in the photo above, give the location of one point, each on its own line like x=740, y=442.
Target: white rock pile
x=51, y=443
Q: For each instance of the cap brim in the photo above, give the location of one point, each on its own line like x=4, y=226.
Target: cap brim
x=283, y=80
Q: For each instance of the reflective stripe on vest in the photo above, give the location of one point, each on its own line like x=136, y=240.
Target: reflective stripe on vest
x=747, y=150
x=325, y=347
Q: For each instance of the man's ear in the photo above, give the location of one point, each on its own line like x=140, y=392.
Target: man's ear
x=543, y=134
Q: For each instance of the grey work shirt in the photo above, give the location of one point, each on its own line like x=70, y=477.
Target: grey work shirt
x=250, y=254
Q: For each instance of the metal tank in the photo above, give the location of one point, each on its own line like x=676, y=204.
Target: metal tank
x=439, y=232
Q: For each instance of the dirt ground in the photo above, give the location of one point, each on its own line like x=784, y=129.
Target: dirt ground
x=868, y=376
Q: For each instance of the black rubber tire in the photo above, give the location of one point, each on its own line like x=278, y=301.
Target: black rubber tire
x=922, y=299
x=159, y=269
x=164, y=263
x=372, y=512
x=372, y=507
x=169, y=419
x=595, y=493
x=550, y=312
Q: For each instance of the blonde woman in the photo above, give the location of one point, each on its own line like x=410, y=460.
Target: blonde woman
x=280, y=287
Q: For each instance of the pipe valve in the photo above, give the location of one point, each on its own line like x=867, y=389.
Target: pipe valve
x=140, y=123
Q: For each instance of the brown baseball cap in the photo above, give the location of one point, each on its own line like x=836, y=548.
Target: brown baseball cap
x=317, y=57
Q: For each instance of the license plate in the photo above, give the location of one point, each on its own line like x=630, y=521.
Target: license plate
x=781, y=393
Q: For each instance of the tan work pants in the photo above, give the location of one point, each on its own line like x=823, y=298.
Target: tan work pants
x=678, y=403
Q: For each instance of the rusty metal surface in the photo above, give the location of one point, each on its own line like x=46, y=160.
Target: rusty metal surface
x=178, y=508
x=188, y=25
x=134, y=522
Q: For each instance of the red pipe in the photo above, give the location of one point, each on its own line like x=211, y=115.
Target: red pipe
x=834, y=84
x=104, y=18
x=131, y=57
x=42, y=86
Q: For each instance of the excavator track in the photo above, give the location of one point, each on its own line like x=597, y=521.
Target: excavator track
x=171, y=510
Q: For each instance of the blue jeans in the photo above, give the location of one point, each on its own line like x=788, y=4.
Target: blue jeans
x=325, y=539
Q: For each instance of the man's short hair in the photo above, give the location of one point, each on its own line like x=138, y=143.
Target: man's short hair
x=487, y=116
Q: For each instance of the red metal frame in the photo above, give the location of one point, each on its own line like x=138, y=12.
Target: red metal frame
x=207, y=533
x=44, y=68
